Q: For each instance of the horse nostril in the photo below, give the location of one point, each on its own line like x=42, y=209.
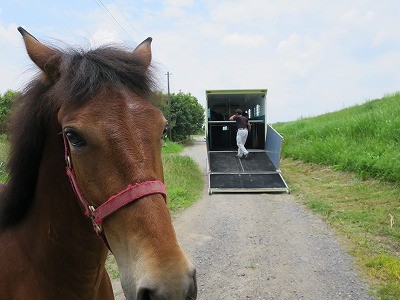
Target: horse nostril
x=192, y=293
x=145, y=294
x=186, y=291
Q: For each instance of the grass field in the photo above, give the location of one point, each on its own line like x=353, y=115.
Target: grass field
x=182, y=177
x=364, y=139
x=351, y=178
x=364, y=213
x=4, y=149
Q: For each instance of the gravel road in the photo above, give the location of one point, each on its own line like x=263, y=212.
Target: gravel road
x=262, y=246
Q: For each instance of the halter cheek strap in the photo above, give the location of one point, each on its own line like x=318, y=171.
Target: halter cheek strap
x=126, y=196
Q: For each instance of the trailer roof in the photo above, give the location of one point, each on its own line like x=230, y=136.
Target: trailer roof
x=233, y=92
x=235, y=97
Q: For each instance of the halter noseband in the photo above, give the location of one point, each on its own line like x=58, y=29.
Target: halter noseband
x=126, y=196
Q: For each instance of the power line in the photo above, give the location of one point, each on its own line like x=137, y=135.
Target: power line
x=125, y=16
x=119, y=24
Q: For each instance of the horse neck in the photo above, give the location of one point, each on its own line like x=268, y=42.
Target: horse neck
x=59, y=236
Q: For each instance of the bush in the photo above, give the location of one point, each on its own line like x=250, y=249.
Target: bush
x=6, y=101
x=186, y=113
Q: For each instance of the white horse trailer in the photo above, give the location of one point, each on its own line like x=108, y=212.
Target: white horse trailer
x=228, y=173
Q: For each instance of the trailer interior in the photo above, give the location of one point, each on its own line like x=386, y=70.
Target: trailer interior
x=227, y=173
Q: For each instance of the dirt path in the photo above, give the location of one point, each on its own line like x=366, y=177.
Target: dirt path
x=263, y=246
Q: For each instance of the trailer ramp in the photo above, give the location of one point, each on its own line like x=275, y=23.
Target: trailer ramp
x=256, y=173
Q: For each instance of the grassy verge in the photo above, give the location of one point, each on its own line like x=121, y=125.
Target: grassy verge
x=183, y=177
x=112, y=267
x=364, y=139
x=365, y=213
x=4, y=150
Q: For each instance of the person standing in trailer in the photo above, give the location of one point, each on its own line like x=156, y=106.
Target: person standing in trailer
x=243, y=128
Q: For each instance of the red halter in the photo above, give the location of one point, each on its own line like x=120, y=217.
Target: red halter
x=126, y=196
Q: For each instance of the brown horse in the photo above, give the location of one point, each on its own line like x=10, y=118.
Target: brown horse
x=98, y=102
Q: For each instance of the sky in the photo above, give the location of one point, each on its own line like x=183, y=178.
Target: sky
x=313, y=56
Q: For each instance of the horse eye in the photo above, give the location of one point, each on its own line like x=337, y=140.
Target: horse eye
x=74, y=138
x=165, y=131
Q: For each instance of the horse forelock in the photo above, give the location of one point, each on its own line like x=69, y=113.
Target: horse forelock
x=82, y=76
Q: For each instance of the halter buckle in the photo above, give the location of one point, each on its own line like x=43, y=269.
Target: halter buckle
x=98, y=228
x=68, y=161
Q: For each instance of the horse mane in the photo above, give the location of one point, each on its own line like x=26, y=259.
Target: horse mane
x=82, y=75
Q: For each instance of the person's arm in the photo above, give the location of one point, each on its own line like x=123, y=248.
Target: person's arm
x=232, y=117
x=248, y=126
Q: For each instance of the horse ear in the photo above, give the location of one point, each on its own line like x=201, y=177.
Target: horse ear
x=44, y=57
x=143, y=51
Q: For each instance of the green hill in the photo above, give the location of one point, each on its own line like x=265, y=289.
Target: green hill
x=364, y=139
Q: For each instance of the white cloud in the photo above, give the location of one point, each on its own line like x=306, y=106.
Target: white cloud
x=313, y=56
x=173, y=11
x=179, y=2
x=8, y=34
x=358, y=18
x=243, y=11
x=387, y=35
x=237, y=39
x=13, y=58
x=211, y=30
x=175, y=8
x=105, y=30
x=289, y=45
x=298, y=55
x=102, y=36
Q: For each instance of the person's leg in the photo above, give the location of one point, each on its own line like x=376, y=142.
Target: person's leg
x=239, y=143
x=244, y=138
x=241, y=139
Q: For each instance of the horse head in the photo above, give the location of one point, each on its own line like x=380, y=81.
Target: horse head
x=113, y=135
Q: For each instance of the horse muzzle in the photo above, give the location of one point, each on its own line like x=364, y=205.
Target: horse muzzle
x=152, y=291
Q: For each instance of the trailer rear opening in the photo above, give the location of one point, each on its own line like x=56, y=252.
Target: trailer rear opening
x=227, y=173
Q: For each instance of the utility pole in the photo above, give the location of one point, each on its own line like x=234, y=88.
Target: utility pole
x=169, y=105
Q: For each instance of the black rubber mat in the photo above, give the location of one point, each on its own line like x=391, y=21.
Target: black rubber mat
x=227, y=162
x=246, y=181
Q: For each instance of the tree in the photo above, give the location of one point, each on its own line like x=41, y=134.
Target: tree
x=6, y=101
x=187, y=115
x=161, y=101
